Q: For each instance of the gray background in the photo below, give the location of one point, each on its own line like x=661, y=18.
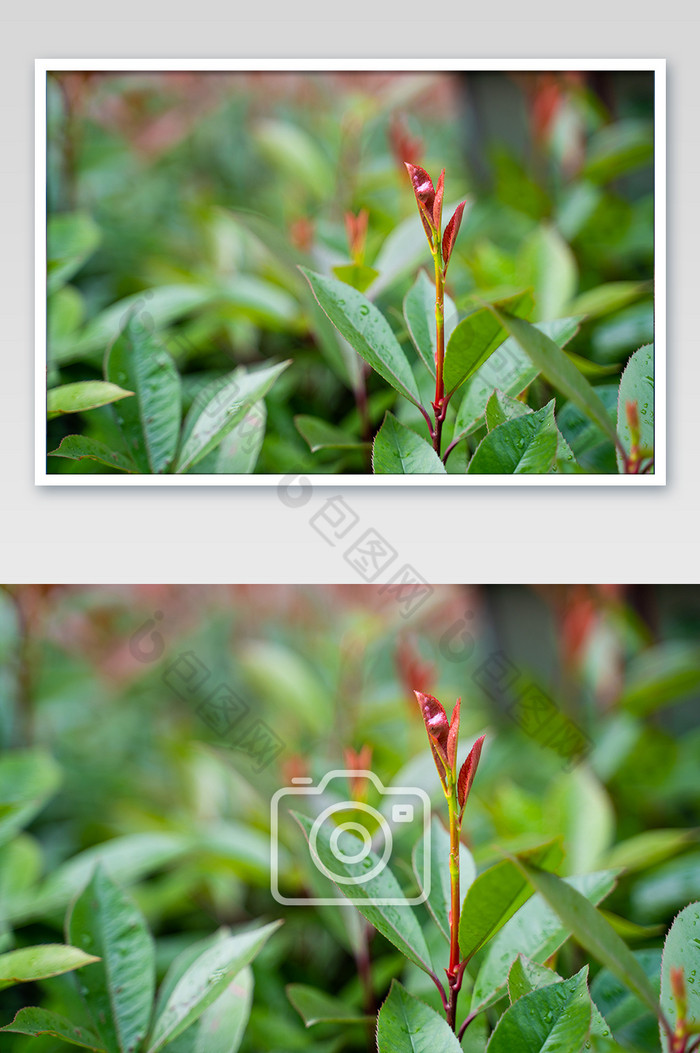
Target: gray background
x=85, y=534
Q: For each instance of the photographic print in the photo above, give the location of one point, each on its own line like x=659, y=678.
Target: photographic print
x=267, y=818
x=361, y=272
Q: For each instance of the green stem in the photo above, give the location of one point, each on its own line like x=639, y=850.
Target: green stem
x=440, y=344
x=454, y=886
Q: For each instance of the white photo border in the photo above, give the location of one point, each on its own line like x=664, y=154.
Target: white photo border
x=657, y=66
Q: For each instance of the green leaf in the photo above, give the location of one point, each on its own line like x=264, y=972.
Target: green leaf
x=526, y=975
x=155, y=309
x=501, y=407
x=621, y=1009
x=202, y=983
x=438, y=902
x=127, y=859
x=534, y=930
x=648, y=848
x=398, y=450
x=555, y=1019
x=546, y=263
x=661, y=675
x=477, y=336
x=79, y=448
x=637, y=385
x=495, y=896
x=223, y=1024
x=604, y=299
x=357, y=275
x=150, y=422
x=523, y=445
x=592, y=931
x=407, y=1025
x=317, y=1007
x=238, y=452
x=396, y=920
x=36, y=1021
x=366, y=328
x=119, y=989
x=682, y=951
x=219, y=407
x=618, y=148
x=320, y=435
x=84, y=395
x=508, y=369
x=221, y=1027
x=296, y=155
x=71, y=237
x=28, y=778
x=419, y=312
x=561, y=373
x=36, y=963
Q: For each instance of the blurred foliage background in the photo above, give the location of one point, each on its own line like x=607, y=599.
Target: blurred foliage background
x=192, y=197
x=119, y=740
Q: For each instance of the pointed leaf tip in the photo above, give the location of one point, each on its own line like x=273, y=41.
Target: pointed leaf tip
x=437, y=203
x=453, y=735
x=422, y=185
x=450, y=235
x=468, y=771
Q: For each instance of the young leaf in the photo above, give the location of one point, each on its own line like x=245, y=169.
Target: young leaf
x=437, y=844
x=477, y=336
x=85, y=395
x=534, y=930
x=363, y=326
x=36, y=963
x=80, y=448
x=118, y=989
x=150, y=422
x=396, y=919
x=450, y=235
x=317, y=1007
x=204, y=981
x=561, y=373
x=398, y=450
x=407, y=1025
x=467, y=772
x=523, y=445
x=495, y=896
x=592, y=931
x=419, y=313
x=219, y=407
x=555, y=1019
x=36, y=1021
x=637, y=385
x=681, y=951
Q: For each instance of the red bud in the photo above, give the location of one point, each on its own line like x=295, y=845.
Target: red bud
x=435, y=720
x=422, y=186
x=453, y=735
x=450, y=235
x=437, y=203
x=468, y=771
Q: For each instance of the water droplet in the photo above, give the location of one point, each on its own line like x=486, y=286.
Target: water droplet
x=364, y=309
